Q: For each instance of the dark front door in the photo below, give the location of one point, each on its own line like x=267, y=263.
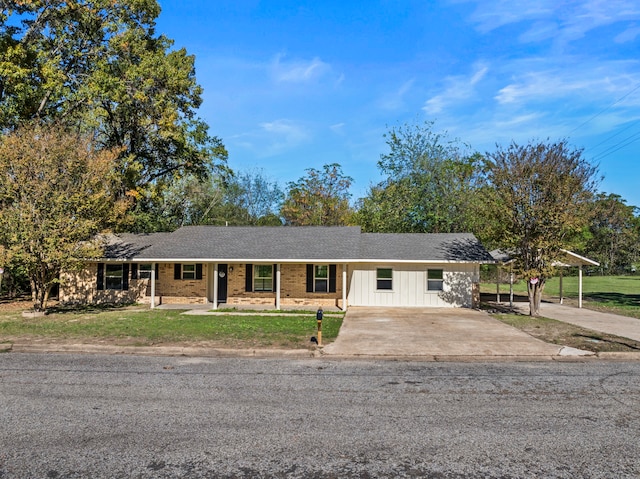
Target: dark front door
x=222, y=283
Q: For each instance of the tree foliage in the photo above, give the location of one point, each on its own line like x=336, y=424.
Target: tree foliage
x=614, y=234
x=321, y=198
x=57, y=191
x=99, y=66
x=429, y=186
x=537, y=202
x=245, y=198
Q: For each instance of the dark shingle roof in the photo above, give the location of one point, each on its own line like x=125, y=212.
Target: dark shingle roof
x=259, y=243
x=295, y=243
x=423, y=247
x=128, y=245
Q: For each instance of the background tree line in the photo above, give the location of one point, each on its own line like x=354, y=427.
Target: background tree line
x=99, y=132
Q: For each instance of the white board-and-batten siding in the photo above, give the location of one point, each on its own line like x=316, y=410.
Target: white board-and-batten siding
x=409, y=285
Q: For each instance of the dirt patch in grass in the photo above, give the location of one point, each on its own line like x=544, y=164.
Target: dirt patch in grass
x=564, y=334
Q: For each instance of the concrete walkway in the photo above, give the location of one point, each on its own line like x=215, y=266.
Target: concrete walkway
x=434, y=332
x=622, y=326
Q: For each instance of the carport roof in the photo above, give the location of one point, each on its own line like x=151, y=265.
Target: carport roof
x=295, y=243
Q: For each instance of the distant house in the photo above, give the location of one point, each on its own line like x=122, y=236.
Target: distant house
x=283, y=266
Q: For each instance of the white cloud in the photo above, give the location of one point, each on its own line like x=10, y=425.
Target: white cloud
x=601, y=83
x=458, y=89
x=628, y=35
x=272, y=138
x=338, y=128
x=395, y=100
x=561, y=20
x=298, y=71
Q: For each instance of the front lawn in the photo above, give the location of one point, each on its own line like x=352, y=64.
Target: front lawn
x=141, y=326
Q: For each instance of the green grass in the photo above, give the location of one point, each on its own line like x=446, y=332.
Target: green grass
x=617, y=294
x=565, y=334
x=146, y=327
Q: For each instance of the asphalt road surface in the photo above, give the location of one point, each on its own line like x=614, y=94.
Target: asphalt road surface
x=83, y=416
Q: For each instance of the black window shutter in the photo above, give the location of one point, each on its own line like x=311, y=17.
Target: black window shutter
x=248, y=286
x=309, y=278
x=332, y=278
x=125, y=276
x=100, y=279
x=134, y=270
x=198, y=270
x=275, y=277
x=177, y=271
x=157, y=271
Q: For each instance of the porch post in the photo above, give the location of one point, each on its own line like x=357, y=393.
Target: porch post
x=580, y=286
x=497, y=283
x=344, y=287
x=215, y=286
x=278, y=284
x=153, y=285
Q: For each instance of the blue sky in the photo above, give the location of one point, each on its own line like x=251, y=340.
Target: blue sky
x=290, y=85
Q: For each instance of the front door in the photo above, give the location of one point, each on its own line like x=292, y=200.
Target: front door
x=222, y=283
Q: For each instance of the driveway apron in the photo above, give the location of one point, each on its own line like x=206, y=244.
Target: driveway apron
x=608, y=323
x=408, y=332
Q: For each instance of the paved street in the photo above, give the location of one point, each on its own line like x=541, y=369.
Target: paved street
x=128, y=416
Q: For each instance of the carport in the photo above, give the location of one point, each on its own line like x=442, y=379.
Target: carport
x=568, y=260
x=572, y=259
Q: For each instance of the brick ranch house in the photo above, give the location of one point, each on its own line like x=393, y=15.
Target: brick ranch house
x=282, y=266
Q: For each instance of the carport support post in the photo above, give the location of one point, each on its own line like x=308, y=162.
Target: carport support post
x=580, y=286
x=511, y=286
x=153, y=285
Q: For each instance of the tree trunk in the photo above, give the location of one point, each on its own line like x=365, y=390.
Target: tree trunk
x=535, y=296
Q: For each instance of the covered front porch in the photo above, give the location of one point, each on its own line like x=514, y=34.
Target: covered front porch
x=249, y=285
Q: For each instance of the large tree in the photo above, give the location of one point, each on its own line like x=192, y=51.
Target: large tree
x=99, y=65
x=614, y=234
x=538, y=200
x=429, y=186
x=320, y=198
x=57, y=191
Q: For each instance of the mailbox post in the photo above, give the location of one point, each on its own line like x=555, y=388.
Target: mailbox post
x=319, y=315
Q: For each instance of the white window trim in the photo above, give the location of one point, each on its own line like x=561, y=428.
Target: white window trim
x=434, y=291
x=315, y=278
x=184, y=267
x=144, y=273
x=384, y=290
x=256, y=277
x=107, y=276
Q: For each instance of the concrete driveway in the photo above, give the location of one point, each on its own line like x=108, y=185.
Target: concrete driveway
x=608, y=323
x=433, y=333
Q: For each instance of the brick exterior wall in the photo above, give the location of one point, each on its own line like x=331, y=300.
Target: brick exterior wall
x=180, y=291
x=81, y=287
x=293, y=288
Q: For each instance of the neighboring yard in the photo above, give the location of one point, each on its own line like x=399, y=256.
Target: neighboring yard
x=139, y=326
x=613, y=294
